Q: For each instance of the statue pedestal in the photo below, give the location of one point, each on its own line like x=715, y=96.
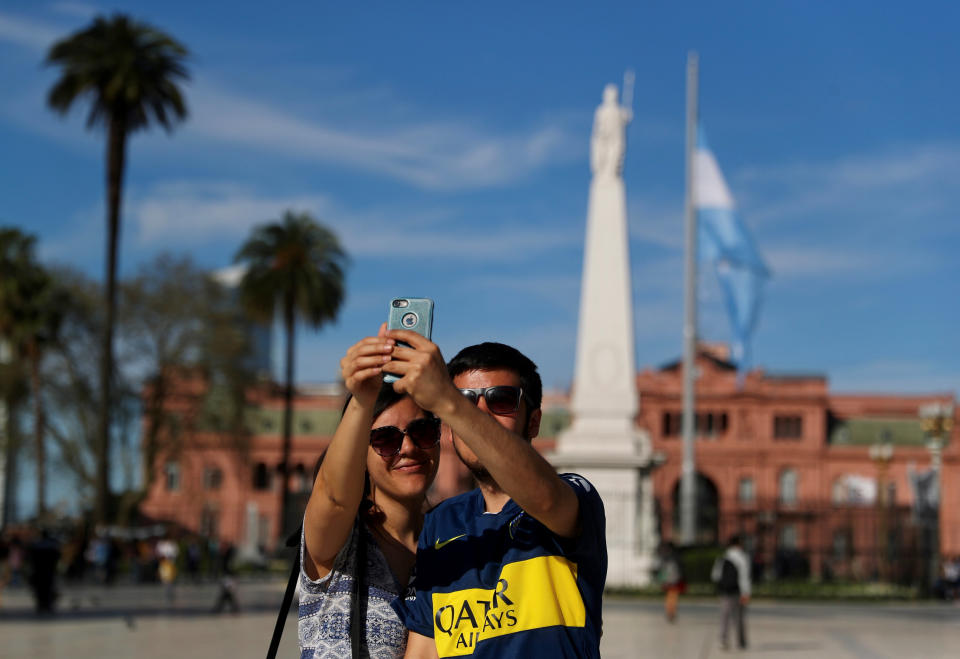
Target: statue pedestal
x=603, y=444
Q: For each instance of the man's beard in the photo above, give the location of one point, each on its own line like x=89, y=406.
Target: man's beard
x=479, y=472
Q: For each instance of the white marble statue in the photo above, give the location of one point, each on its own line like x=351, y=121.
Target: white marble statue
x=608, y=143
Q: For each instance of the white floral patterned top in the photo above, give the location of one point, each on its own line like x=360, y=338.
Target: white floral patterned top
x=325, y=604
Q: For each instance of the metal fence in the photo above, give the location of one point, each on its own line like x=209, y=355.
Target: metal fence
x=817, y=539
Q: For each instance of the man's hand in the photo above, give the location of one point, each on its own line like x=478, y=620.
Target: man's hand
x=744, y=599
x=423, y=373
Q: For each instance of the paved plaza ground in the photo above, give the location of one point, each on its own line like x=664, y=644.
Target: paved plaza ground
x=136, y=622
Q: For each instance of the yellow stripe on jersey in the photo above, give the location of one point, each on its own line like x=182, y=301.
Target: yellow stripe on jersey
x=531, y=594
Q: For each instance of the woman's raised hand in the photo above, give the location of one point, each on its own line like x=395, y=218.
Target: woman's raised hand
x=362, y=364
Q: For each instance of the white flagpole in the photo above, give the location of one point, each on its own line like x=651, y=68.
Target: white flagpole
x=688, y=505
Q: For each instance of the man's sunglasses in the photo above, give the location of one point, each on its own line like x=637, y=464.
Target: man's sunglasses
x=424, y=433
x=501, y=399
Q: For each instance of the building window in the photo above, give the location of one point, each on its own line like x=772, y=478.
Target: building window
x=841, y=545
x=172, y=473
x=671, y=424
x=745, y=493
x=787, y=427
x=706, y=423
x=261, y=477
x=838, y=492
x=300, y=482
x=788, y=487
x=788, y=536
x=212, y=478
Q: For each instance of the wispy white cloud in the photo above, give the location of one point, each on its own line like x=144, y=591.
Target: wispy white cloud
x=906, y=181
x=658, y=222
x=428, y=152
x=795, y=261
x=27, y=32
x=76, y=9
x=186, y=213
x=431, y=154
x=191, y=214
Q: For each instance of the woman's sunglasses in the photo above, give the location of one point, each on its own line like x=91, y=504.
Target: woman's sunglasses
x=501, y=399
x=424, y=433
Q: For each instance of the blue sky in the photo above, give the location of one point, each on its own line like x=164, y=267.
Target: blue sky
x=447, y=145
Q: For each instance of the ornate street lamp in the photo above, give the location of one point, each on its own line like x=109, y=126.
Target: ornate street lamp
x=937, y=421
x=882, y=453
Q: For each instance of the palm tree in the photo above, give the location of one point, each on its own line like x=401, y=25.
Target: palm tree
x=298, y=264
x=30, y=312
x=16, y=255
x=129, y=71
x=39, y=325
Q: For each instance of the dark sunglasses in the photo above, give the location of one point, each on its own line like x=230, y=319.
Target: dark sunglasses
x=424, y=433
x=501, y=399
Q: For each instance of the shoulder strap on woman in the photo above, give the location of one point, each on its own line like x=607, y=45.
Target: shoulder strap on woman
x=292, y=541
x=358, y=613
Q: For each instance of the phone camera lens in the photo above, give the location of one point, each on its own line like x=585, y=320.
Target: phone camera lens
x=400, y=303
x=409, y=320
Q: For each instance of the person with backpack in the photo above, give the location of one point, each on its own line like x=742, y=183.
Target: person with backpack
x=731, y=573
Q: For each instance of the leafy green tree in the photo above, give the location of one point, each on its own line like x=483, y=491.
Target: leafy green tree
x=37, y=331
x=296, y=265
x=30, y=313
x=130, y=72
x=16, y=259
x=178, y=323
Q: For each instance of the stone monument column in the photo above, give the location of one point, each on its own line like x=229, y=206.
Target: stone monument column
x=602, y=442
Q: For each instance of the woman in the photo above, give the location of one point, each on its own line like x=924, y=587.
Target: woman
x=366, y=509
x=670, y=578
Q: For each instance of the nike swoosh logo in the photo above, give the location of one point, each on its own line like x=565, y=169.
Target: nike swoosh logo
x=441, y=545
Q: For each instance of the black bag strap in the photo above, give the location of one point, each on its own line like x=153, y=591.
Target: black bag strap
x=292, y=541
x=358, y=613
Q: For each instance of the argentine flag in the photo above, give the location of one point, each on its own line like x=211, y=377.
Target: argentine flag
x=725, y=242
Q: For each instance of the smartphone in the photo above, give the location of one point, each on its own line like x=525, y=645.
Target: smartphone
x=410, y=313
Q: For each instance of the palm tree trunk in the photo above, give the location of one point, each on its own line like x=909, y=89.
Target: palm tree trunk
x=38, y=429
x=116, y=147
x=290, y=322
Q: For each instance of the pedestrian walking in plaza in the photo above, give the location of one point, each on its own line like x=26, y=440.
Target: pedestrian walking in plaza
x=227, y=596
x=731, y=573
x=44, y=556
x=670, y=578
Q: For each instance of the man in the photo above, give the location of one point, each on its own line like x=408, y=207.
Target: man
x=731, y=573
x=516, y=567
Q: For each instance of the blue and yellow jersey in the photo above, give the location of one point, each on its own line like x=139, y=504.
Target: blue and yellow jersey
x=503, y=585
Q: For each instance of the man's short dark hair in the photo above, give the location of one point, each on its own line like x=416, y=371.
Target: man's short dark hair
x=491, y=356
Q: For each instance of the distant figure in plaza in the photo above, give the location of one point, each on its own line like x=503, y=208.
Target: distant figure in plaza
x=731, y=573
x=44, y=555
x=227, y=595
x=167, y=552
x=670, y=578
x=364, y=514
x=608, y=143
